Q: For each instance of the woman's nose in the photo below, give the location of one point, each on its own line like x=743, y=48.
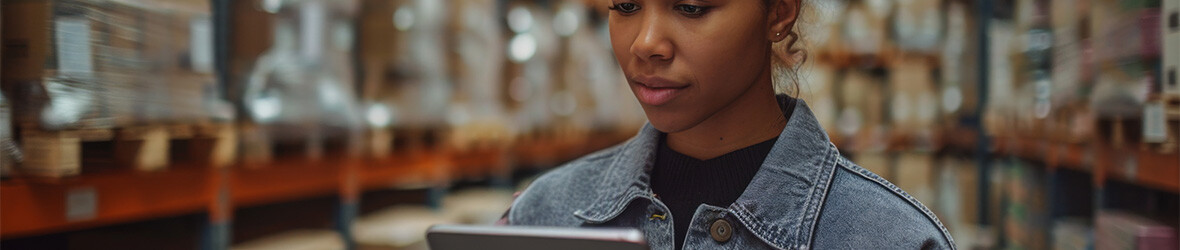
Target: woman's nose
x=652, y=42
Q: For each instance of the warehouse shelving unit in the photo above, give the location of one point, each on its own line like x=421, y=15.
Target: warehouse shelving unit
x=1082, y=178
x=118, y=195
x=1145, y=167
x=41, y=206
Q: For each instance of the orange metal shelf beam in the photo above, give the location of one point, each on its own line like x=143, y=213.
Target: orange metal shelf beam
x=1146, y=167
x=284, y=179
x=404, y=169
x=39, y=206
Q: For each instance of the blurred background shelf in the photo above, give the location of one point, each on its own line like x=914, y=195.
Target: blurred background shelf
x=357, y=124
x=33, y=207
x=1144, y=167
x=38, y=206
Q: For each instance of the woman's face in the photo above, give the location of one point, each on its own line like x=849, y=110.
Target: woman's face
x=686, y=60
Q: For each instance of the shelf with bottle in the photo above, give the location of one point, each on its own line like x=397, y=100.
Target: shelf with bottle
x=1138, y=165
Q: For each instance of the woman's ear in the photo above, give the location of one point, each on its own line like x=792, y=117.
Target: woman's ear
x=782, y=16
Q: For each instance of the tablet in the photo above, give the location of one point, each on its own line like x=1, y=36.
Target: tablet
x=462, y=237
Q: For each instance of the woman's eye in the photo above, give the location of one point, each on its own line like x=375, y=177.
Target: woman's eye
x=691, y=10
x=626, y=8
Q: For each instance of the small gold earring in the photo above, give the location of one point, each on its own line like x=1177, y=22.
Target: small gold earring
x=778, y=34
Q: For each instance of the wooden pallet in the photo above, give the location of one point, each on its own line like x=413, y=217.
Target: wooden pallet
x=1119, y=132
x=379, y=142
x=1171, y=105
x=1127, y=134
x=146, y=148
x=420, y=139
x=264, y=144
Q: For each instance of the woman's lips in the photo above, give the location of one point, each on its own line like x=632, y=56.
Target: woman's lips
x=654, y=91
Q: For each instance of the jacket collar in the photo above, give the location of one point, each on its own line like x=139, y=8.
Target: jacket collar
x=780, y=205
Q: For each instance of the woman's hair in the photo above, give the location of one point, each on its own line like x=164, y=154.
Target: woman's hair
x=787, y=56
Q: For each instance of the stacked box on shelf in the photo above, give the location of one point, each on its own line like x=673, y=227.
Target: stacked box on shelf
x=1072, y=233
x=917, y=26
x=1031, y=57
x=816, y=86
x=106, y=63
x=615, y=110
x=7, y=145
x=588, y=96
x=138, y=73
x=999, y=113
x=822, y=22
x=1161, y=118
x=407, y=85
x=864, y=30
x=1118, y=230
x=958, y=64
x=913, y=104
x=299, y=95
x=957, y=205
x=1170, y=29
x=1125, y=40
x=1069, y=117
x=477, y=117
x=879, y=163
x=44, y=45
x=533, y=48
x=380, y=71
x=860, y=122
x=1025, y=212
x=915, y=172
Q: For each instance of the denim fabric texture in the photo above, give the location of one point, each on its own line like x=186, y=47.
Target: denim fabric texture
x=805, y=196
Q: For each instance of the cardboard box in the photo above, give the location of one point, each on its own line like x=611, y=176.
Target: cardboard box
x=915, y=174
x=865, y=28
x=958, y=198
x=1170, y=27
x=6, y=142
x=112, y=62
x=816, y=88
x=1120, y=230
x=879, y=163
x=27, y=46
x=862, y=114
x=913, y=104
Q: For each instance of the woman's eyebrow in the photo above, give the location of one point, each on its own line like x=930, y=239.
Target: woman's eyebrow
x=699, y=1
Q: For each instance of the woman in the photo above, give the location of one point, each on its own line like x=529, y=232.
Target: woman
x=723, y=162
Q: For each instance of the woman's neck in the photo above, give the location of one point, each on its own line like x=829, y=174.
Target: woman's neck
x=752, y=118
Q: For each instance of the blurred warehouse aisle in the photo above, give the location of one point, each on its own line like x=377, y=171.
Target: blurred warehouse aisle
x=357, y=124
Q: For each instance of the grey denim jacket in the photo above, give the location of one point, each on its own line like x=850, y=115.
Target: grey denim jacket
x=805, y=196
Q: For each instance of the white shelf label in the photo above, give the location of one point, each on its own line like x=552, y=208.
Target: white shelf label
x=74, y=55
x=201, y=44
x=1155, y=125
x=81, y=204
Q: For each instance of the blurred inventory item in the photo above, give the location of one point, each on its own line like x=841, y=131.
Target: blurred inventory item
x=300, y=93
x=8, y=148
x=1118, y=230
x=1021, y=147
x=1170, y=27
x=477, y=117
x=406, y=78
x=136, y=74
x=97, y=64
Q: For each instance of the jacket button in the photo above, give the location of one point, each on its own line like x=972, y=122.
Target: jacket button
x=721, y=230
